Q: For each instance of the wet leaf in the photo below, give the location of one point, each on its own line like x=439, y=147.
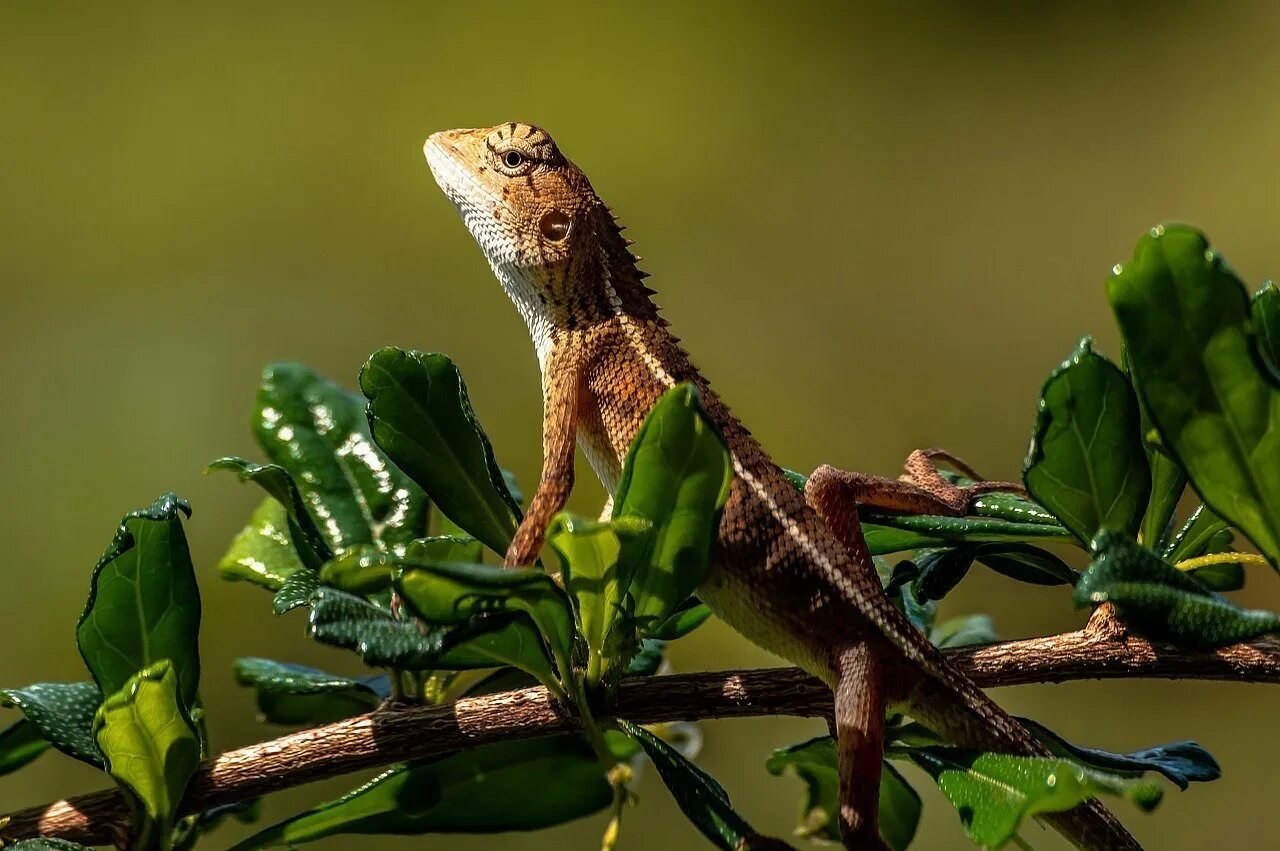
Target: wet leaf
x=144, y=604
x=151, y=749
x=1086, y=463
x=512, y=786
x=300, y=533
x=63, y=715
x=263, y=552
x=422, y=418
x=1185, y=320
x=894, y=533
x=1163, y=601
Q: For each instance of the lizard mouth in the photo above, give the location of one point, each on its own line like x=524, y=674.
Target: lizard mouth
x=448, y=167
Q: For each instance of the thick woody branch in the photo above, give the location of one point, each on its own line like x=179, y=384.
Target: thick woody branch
x=397, y=733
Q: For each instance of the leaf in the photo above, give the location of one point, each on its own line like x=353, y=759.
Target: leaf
x=675, y=479
x=151, y=749
x=689, y=616
x=1193, y=538
x=894, y=533
x=941, y=571
x=815, y=763
x=47, y=843
x=963, y=630
x=460, y=549
x=1026, y=563
x=995, y=793
x=1162, y=600
x=63, y=715
x=1086, y=463
x=421, y=416
x=456, y=593
x=263, y=552
x=1185, y=320
x=521, y=785
x=144, y=604
x=20, y=744
x=589, y=564
x=344, y=620
x=319, y=433
x=1264, y=311
x=303, y=536
x=298, y=589
x=703, y=801
x=299, y=695
x=1181, y=762
x=1220, y=577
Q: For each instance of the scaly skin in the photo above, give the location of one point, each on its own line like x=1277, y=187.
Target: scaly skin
x=781, y=576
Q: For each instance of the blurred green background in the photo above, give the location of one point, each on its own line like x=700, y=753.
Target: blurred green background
x=877, y=227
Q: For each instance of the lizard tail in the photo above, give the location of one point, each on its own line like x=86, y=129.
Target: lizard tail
x=962, y=713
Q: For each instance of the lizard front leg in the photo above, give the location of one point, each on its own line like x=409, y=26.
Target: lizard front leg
x=562, y=390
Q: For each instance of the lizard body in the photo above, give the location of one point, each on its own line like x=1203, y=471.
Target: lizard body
x=793, y=578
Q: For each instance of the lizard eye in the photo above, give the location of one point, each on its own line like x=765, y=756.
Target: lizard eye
x=512, y=159
x=554, y=225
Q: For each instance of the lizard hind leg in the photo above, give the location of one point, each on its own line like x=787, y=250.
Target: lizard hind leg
x=859, y=728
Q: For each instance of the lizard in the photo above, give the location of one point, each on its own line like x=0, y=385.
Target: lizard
x=790, y=571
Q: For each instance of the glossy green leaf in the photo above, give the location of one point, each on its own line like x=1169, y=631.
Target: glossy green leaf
x=940, y=570
x=895, y=533
x=1026, y=563
x=303, y=535
x=444, y=594
x=151, y=748
x=359, y=570
x=20, y=744
x=298, y=589
x=459, y=549
x=689, y=616
x=815, y=763
x=299, y=695
x=422, y=418
x=144, y=604
x=1162, y=600
x=1194, y=537
x=675, y=480
x=1182, y=762
x=512, y=786
x=1220, y=577
x=344, y=620
x=319, y=433
x=995, y=793
x=1185, y=320
x=1086, y=463
x=63, y=715
x=588, y=551
x=263, y=552
x=46, y=843
x=963, y=630
x=703, y=801
x=1264, y=311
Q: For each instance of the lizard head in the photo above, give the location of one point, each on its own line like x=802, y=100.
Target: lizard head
x=549, y=238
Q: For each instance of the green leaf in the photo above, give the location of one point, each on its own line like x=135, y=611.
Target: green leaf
x=344, y=620
x=47, y=843
x=151, y=749
x=263, y=552
x=367, y=570
x=511, y=786
x=303, y=535
x=63, y=715
x=941, y=571
x=422, y=418
x=1026, y=563
x=895, y=533
x=299, y=695
x=703, y=801
x=1194, y=537
x=589, y=551
x=689, y=616
x=444, y=594
x=1220, y=577
x=1086, y=463
x=1182, y=762
x=298, y=589
x=963, y=630
x=144, y=604
x=675, y=480
x=319, y=433
x=459, y=549
x=815, y=763
x=1185, y=320
x=1264, y=311
x=1162, y=600
x=20, y=744
x=995, y=793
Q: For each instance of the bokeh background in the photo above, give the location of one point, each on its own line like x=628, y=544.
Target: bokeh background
x=877, y=226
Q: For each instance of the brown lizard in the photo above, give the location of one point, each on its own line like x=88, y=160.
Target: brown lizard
x=791, y=572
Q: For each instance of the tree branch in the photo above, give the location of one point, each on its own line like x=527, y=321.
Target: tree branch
x=397, y=732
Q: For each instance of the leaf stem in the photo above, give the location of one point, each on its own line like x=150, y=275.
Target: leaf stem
x=1220, y=558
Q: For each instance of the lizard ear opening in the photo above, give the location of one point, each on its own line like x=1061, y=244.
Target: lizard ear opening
x=554, y=225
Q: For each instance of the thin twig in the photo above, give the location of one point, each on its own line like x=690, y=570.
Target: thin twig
x=396, y=732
